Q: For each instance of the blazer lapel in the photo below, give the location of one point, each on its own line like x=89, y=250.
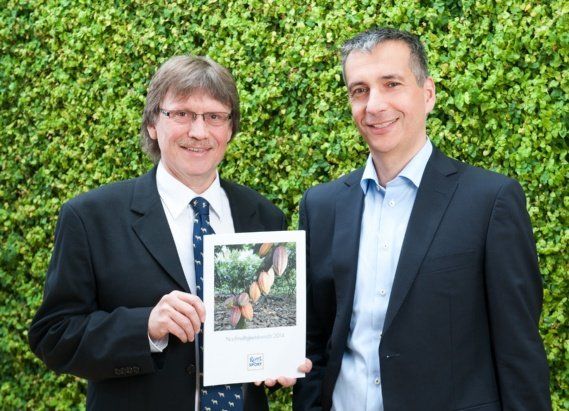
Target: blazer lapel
x=243, y=211
x=153, y=230
x=437, y=187
x=347, y=227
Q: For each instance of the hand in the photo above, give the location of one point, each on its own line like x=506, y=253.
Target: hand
x=288, y=381
x=178, y=313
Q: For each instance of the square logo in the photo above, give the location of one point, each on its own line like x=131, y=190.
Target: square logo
x=255, y=362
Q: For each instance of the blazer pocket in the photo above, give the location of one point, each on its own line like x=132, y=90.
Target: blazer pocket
x=449, y=262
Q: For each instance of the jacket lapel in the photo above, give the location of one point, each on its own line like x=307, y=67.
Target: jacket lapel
x=437, y=187
x=243, y=210
x=153, y=230
x=347, y=227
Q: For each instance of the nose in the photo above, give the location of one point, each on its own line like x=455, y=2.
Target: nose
x=198, y=128
x=376, y=102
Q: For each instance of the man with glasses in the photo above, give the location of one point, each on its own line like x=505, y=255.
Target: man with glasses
x=423, y=286
x=122, y=304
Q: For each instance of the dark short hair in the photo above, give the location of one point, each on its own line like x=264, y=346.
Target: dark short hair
x=180, y=77
x=368, y=40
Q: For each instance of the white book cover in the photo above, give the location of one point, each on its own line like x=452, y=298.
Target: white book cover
x=255, y=301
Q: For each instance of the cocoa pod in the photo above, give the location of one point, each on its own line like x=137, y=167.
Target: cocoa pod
x=265, y=249
x=265, y=282
x=230, y=302
x=243, y=299
x=254, y=292
x=247, y=311
x=234, y=315
x=271, y=277
x=280, y=259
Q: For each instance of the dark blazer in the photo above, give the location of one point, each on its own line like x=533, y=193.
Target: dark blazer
x=114, y=258
x=461, y=330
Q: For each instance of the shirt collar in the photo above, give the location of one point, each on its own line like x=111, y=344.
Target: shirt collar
x=413, y=171
x=177, y=196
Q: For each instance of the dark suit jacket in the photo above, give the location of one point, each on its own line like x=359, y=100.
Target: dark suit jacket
x=114, y=258
x=461, y=325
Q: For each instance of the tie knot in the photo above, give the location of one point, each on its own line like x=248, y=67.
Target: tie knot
x=200, y=206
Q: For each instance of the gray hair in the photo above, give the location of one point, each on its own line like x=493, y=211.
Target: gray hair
x=180, y=77
x=368, y=40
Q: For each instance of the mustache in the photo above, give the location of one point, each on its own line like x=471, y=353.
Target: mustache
x=192, y=143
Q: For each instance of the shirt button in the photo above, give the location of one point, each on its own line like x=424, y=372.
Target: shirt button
x=385, y=246
x=391, y=203
x=377, y=381
x=382, y=292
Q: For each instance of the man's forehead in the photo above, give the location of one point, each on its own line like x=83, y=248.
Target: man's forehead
x=198, y=96
x=386, y=50
x=181, y=95
x=387, y=59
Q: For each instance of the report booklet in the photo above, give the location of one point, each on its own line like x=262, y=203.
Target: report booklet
x=255, y=300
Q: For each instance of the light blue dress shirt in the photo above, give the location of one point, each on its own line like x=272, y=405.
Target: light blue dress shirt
x=384, y=223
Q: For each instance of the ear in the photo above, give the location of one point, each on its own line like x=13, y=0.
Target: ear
x=152, y=132
x=430, y=94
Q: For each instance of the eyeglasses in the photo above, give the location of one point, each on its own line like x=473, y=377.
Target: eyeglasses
x=188, y=117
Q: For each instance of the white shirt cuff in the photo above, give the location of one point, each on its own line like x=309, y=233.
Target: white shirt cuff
x=158, y=345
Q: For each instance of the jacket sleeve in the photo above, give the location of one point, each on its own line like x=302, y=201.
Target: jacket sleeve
x=307, y=391
x=70, y=333
x=514, y=292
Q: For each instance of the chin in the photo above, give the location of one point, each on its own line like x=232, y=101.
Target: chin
x=382, y=144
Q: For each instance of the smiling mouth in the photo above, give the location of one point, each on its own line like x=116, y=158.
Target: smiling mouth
x=383, y=124
x=196, y=149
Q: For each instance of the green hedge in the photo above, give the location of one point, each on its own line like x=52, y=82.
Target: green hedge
x=73, y=76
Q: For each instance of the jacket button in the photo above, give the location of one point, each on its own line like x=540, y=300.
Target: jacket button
x=191, y=369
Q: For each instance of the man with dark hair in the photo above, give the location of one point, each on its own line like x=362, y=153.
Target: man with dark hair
x=123, y=301
x=422, y=280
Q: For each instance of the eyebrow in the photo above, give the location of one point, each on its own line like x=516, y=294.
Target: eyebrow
x=359, y=83
x=392, y=77
x=382, y=78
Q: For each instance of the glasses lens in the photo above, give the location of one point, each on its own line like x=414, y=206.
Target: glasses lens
x=216, y=119
x=181, y=116
x=187, y=117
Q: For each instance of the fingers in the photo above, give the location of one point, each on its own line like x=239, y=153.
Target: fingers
x=186, y=316
x=283, y=381
x=286, y=381
x=189, y=325
x=177, y=313
x=270, y=382
x=306, y=367
x=195, y=302
x=173, y=329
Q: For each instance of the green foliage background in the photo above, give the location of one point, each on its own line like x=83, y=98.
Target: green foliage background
x=73, y=76
x=237, y=266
